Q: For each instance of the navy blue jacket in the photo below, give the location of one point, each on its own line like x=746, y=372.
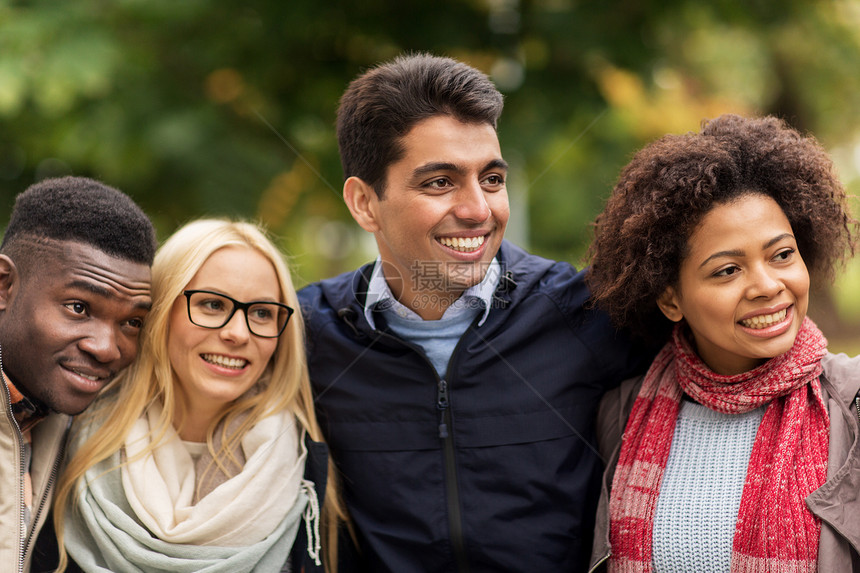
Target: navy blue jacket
x=491, y=468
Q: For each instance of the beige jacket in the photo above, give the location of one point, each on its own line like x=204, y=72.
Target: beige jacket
x=836, y=503
x=16, y=547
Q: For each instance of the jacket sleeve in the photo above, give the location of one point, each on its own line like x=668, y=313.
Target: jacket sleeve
x=612, y=415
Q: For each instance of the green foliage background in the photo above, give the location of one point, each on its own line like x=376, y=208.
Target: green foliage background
x=204, y=107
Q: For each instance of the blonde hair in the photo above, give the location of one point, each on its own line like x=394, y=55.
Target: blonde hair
x=284, y=385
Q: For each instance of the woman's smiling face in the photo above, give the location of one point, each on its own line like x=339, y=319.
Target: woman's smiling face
x=743, y=287
x=215, y=366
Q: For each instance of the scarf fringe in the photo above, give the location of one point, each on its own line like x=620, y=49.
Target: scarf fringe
x=311, y=516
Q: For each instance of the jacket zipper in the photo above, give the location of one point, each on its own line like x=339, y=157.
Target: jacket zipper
x=23, y=507
x=442, y=406
x=19, y=437
x=55, y=470
x=455, y=516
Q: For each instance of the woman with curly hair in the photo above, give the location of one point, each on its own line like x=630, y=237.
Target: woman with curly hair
x=195, y=459
x=738, y=450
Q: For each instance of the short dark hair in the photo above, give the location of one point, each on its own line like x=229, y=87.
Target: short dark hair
x=665, y=191
x=383, y=104
x=84, y=210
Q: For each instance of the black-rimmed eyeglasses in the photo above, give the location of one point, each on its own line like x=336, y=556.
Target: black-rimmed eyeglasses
x=213, y=310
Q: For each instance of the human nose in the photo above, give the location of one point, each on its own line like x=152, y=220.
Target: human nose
x=764, y=283
x=236, y=329
x=103, y=343
x=472, y=204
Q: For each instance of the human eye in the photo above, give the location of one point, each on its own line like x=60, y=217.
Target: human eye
x=493, y=180
x=261, y=313
x=784, y=254
x=727, y=271
x=438, y=184
x=76, y=307
x=212, y=304
x=133, y=326
x=136, y=323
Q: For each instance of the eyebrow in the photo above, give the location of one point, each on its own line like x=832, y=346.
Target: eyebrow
x=777, y=239
x=105, y=293
x=447, y=166
x=219, y=293
x=739, y=253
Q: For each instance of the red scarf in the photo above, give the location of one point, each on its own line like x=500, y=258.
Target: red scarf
x=775, y=531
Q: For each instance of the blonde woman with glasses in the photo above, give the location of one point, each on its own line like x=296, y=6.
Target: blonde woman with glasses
x=195, y=459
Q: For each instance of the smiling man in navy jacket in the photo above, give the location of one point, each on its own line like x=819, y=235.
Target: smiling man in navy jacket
x=456, y=377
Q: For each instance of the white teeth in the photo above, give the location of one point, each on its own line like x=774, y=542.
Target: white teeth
x=765, y=320
x=464, y=245
x=87, y=376
x=219, y=360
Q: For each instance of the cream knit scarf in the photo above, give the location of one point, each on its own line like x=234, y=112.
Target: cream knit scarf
x=142, y=516
x=243, y=510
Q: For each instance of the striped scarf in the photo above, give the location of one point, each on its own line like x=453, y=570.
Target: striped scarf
x=775, y=532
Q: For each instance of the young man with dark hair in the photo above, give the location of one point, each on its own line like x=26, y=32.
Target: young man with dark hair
x=457, y=376
x=74, y=292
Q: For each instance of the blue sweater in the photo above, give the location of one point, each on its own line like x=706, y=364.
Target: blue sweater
x=697, y=510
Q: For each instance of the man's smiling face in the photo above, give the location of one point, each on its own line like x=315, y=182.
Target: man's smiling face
x=70, y=323
x=442, y=216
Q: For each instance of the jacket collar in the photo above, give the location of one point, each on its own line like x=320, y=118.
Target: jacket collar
x=520, y=271
x=379, y=293
x=27, y=411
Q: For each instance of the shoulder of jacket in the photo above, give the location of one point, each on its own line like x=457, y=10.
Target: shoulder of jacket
x=843, y=374
x=533, y=274
x=525, y=264
x=619, y=400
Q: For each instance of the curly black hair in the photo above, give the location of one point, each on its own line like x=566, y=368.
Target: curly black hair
x=84, y=210
x=663, y=193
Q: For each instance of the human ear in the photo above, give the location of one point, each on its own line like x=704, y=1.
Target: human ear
x=669, y=303
x=361, y=200
x=8, y=278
